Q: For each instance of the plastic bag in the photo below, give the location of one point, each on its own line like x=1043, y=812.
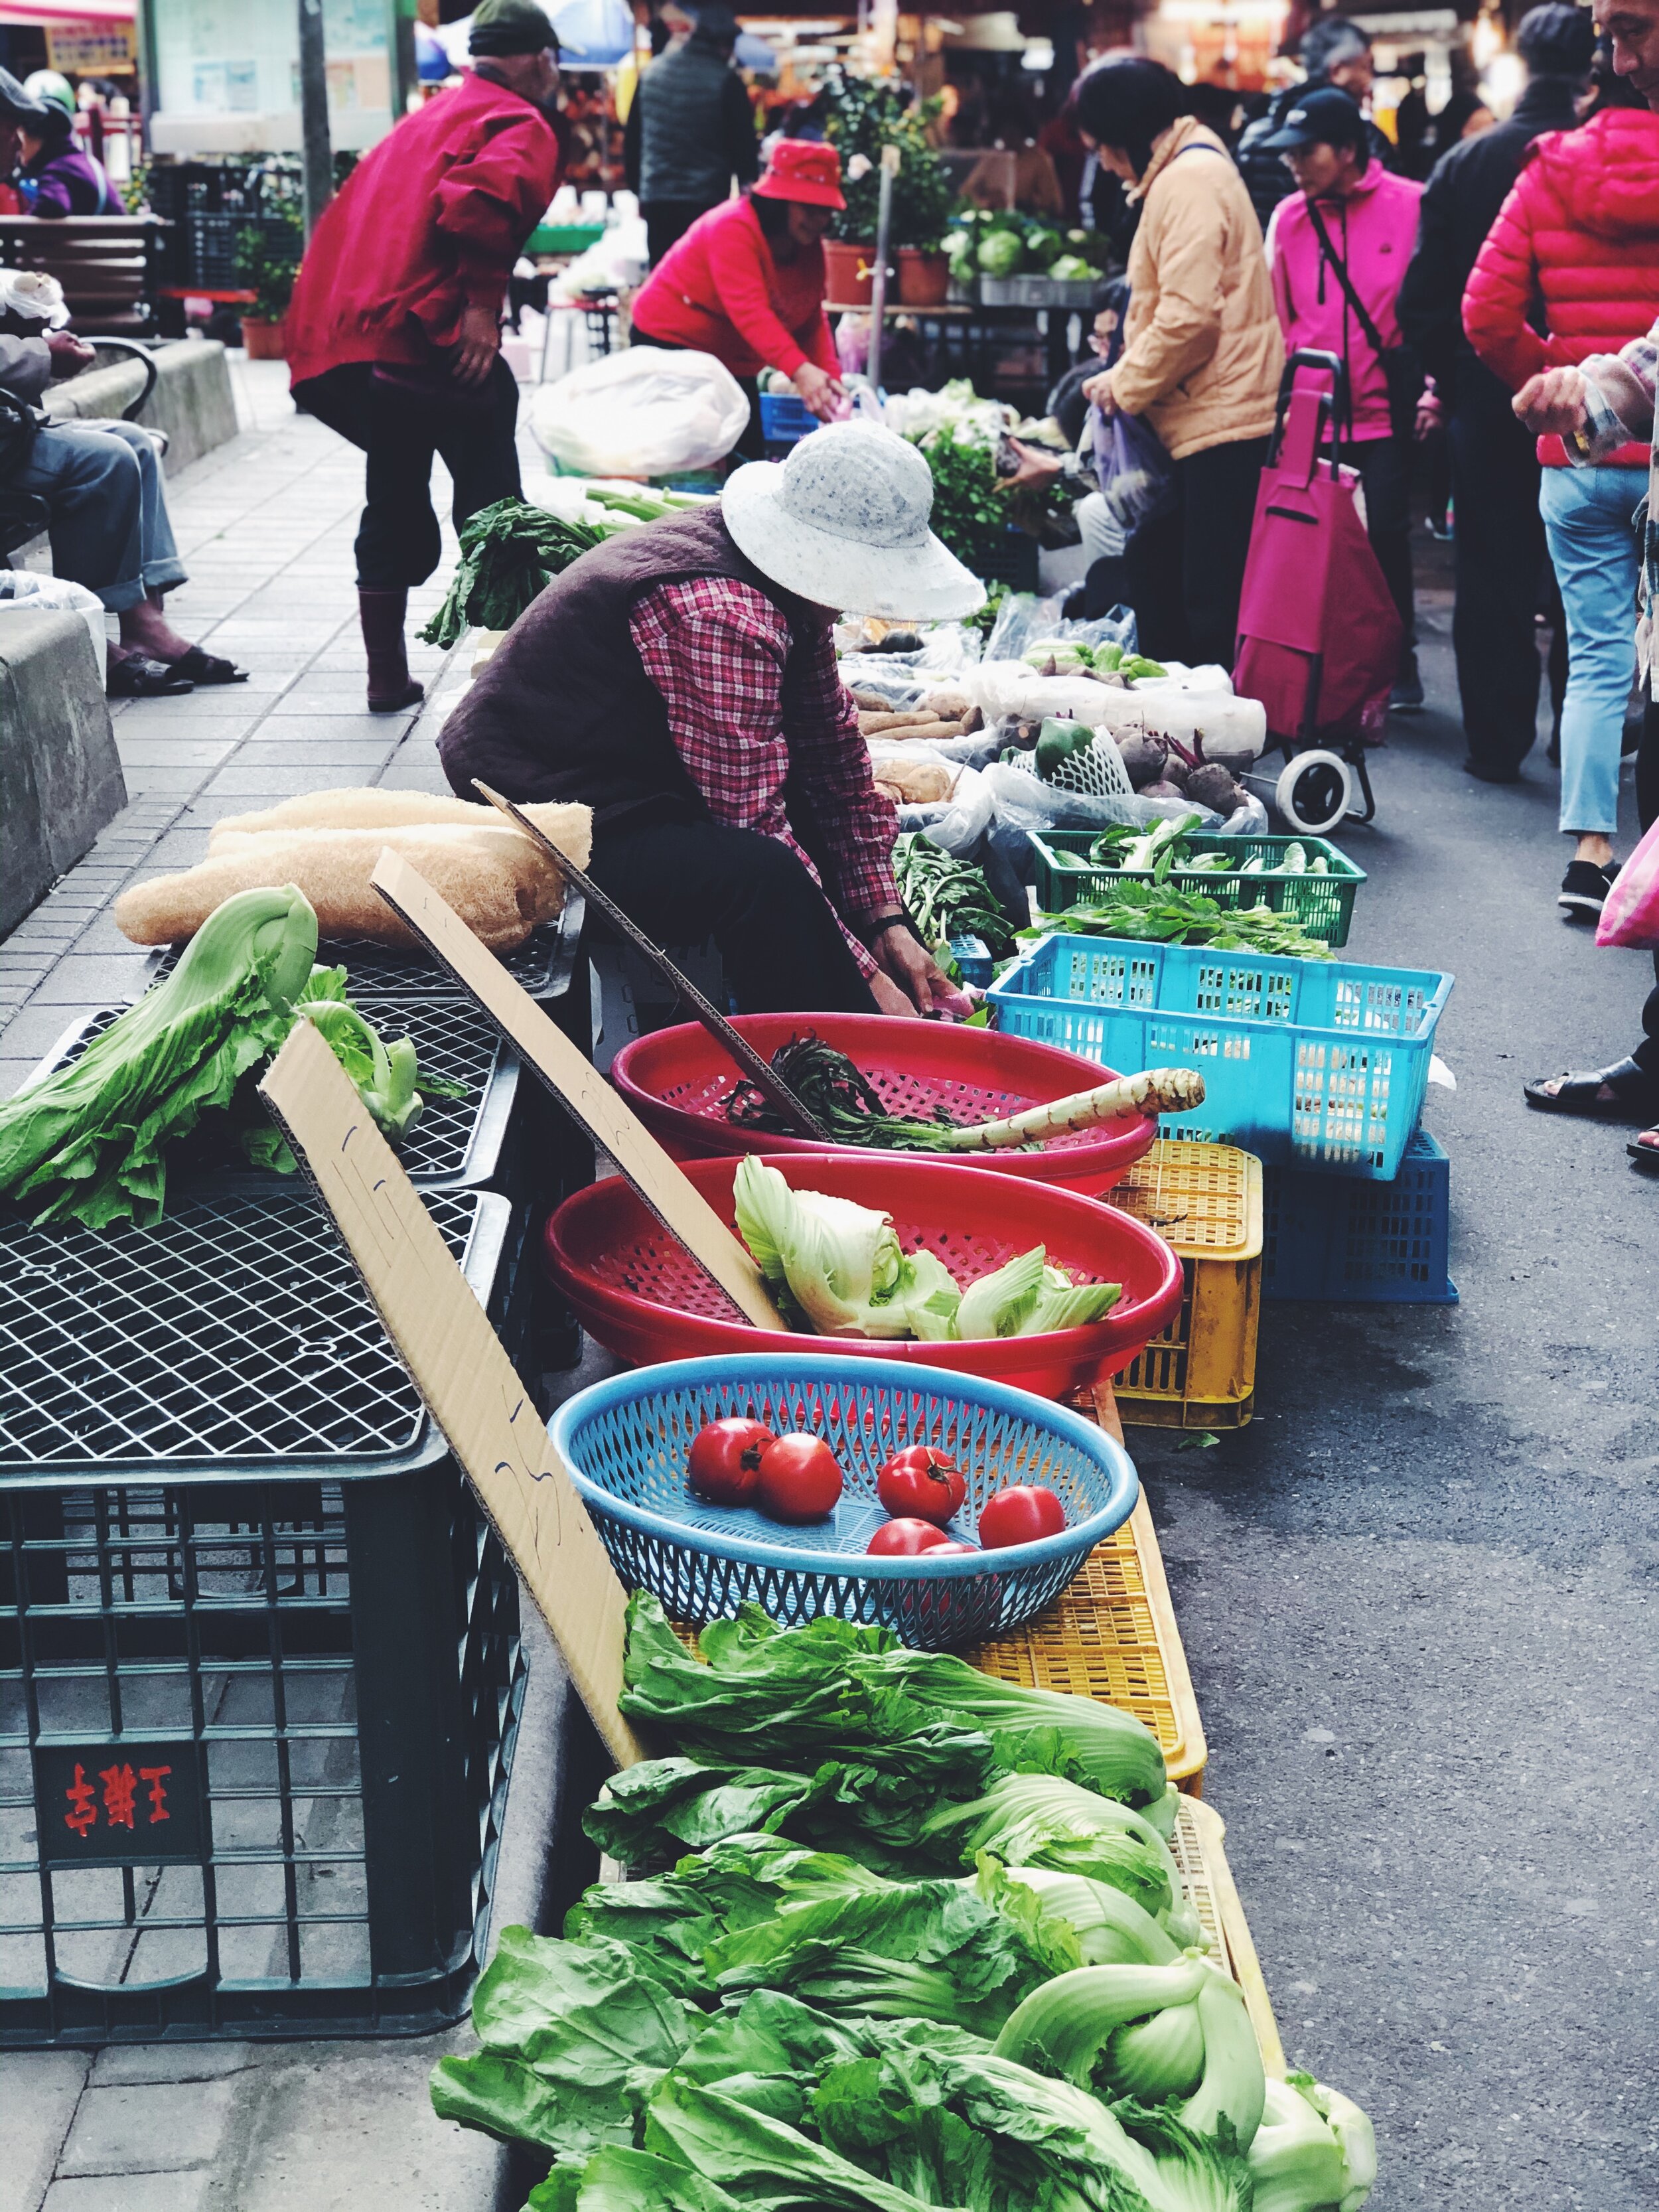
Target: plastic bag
x=1022, y=802
x=1136, y=479
x=1630, y=916
x=646, y=412
x=1023, y=620
x=31, y=594
x=958, y=823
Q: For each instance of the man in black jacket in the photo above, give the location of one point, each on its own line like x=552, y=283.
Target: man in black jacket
x=1498, y=538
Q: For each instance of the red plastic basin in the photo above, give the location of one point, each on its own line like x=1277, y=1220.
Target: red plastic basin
x=640, y=1294
x=676, y=1080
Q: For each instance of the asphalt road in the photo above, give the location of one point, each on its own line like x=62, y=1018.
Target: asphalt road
x=1418, y=1591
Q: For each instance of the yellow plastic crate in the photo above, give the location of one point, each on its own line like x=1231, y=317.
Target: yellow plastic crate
x=1205, y=1199
x=1208, y=1881
x=1111, y=1635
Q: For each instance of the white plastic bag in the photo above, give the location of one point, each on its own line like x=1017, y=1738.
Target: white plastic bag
x=22, y=589
x=646, y=412
x=957, y=823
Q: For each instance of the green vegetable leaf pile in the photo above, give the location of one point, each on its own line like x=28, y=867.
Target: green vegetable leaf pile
x=509, y=553
x=1161, y=913
x=947, y=897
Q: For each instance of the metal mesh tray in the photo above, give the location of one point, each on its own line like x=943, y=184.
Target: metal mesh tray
x=234, y=1337
x=543, y=964
x=455, y=1141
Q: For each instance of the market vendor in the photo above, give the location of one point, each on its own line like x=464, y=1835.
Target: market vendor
x=746, y=284
x=681, y=680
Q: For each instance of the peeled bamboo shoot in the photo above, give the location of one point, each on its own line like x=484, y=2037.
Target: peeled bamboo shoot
x=1157, y=1090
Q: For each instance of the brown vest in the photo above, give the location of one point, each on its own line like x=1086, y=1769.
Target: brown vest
x=564, y=710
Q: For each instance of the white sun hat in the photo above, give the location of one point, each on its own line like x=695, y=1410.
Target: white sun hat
x=844, y=522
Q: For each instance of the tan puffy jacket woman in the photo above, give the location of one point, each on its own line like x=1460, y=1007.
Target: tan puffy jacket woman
x=1202, y=354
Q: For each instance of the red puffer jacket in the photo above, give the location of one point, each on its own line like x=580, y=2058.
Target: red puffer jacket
x=1580, y=230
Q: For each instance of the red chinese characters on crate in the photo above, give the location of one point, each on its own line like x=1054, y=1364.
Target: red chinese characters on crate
x=121, y=1786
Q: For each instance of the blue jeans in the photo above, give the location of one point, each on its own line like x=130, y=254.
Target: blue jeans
x=102, y=485
x=1586, y=519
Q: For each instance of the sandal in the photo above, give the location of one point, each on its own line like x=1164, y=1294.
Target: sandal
x=207, y=668
x=1634, y=1092
x=134, y=676
x=1647, y=1154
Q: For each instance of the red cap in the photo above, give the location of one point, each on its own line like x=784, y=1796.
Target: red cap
x=803, y=169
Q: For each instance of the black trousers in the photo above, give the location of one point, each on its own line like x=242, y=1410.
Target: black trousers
x=1499, y=557
x=682, y=880
x=666, y=223
x=1183, y=573
x=1385, y=471
x=398, y=540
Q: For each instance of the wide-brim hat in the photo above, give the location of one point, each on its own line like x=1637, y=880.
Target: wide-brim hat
x=844, y=522
x=805, y=169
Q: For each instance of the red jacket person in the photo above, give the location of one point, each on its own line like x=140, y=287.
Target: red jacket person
x=394, y=332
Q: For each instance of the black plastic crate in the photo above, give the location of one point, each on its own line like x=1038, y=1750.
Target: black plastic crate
x=456, y=1142
x=542, y=964
x=1012, y=560
x=260, y=1672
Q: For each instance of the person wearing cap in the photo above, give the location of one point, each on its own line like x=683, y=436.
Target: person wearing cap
x=1338, y=248
x=681, y=680
x=17, y=107
x=59, y=176
x=691, y=129
x=746, y=283
x=393, y=335
x=1335, y=52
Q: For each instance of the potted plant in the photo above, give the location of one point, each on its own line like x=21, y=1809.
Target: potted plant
x=267, y=262
x=863, y=117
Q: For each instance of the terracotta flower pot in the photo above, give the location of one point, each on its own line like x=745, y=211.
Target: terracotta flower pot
x=264, y=340
x=924, y=279
x=849, y=272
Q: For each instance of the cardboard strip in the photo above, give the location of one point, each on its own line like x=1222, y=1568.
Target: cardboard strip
x=545, y=1049
x=444, y=1339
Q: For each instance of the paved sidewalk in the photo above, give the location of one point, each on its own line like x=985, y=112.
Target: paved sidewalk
x=266, y=527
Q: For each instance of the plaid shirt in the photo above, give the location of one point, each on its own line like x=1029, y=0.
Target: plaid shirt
x=746, y=705
x=1605, y=434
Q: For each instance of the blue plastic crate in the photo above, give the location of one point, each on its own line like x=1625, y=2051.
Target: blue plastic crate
x=1347, y=1240
x=625, y=1442
x=785, y=420
x=1308, y=1063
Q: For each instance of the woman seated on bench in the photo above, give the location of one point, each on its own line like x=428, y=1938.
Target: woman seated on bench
x=106, y=505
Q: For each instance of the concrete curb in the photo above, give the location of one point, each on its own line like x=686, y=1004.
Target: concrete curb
x=193, y=401
x=60, y=776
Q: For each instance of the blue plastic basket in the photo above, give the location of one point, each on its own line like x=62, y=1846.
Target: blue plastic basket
x=1347, y=1239
x=785, y=420
x=1317, y=1064
x=625, y=1442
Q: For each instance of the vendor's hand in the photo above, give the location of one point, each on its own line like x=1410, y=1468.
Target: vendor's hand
x=1553, y=405
x=1098, y=392
x=922, y=985
x=68, y=352
x=817, y=391
x=1431, y=416
x=481, y=341
x=1036, y=466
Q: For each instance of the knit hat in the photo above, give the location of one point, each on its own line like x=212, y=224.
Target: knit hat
x=510, y=27
x=803, y=169
x=844, y=522
x=1556, y=40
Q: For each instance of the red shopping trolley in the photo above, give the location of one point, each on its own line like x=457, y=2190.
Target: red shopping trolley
x=1319, y=634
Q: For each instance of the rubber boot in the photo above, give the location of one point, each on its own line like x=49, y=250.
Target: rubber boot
x=390, y=687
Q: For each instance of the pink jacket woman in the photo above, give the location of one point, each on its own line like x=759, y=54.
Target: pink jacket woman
x=1372, y=232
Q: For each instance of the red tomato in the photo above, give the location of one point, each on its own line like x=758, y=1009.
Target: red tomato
x=904, y=1539
x=922, y=1483
x=799, y=1479
x=1020, y=1515
x=724, y=1463
x=939, y=1551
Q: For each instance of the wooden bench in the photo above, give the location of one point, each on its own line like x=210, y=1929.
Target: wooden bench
x=109, y=266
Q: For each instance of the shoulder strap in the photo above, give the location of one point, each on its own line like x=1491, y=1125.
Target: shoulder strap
x=1338, y=270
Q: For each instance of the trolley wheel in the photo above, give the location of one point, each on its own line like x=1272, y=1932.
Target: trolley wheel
x=1315, y=792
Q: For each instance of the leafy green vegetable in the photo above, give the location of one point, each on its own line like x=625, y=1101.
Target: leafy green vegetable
x=93, y=1135
x=1070, y=269
x=841, y=1099
x=509, y=553
x=947, y=897
x=1042, y=1819
x=1025, y=1296
x=1313, y=2151
x=1153, y=2033
x=841, y=1263
x=1001, y=254
x=1161, y=915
